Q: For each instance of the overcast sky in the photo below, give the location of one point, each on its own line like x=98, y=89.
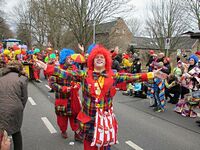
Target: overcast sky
x=139, y=4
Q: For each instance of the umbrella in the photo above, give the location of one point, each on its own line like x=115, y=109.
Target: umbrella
x=78, y=58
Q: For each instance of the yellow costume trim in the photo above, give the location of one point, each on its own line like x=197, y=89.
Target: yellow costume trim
x=150, y=75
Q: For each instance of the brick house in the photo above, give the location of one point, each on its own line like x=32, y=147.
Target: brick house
x=115, y=33
x=143, y=44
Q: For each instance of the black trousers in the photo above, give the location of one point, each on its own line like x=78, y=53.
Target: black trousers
x=173, y=99
x=184, y=91
x=17, y=140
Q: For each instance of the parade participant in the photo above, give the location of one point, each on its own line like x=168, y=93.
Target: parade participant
x=51, y=60
x=193, y=60
x=5, y=55
x=172, y=87
x=198, y=55
x=115, y=63
x=161, y=57
x=98, y=92
x=13, y=98
x=190, y=82
x=167, y=66
x=36, y=70
x=66, y=94
x=178, y=70
x=151, y=59
x=46, y=55
x=126, y=65
x=158, y=91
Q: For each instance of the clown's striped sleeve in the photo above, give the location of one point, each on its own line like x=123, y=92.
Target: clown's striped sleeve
x=53, y=84
x=138, y=77
x=64, y=74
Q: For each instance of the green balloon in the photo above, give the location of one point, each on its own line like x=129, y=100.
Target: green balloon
x=52, y=56
x=36, y=50
x=46, y=59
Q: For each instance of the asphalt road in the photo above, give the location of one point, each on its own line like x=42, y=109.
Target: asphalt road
x=139, y=127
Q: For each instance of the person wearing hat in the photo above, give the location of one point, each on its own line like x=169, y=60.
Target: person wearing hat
x=157, y=90
x=151, y=59
x=36, y=70
x=50, y=60
x=167, y=66
x=67, y=104
x=192, y=60
x=98, y=91
x=198, y=55
x=178, y=70
x=161, y=57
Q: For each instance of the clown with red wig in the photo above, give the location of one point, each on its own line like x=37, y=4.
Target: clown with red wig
x=97, y=120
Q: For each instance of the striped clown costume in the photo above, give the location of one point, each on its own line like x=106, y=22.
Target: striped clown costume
x=97, y=86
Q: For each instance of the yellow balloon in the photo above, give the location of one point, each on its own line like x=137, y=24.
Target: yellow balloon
x=17, y=52
x=6, y=52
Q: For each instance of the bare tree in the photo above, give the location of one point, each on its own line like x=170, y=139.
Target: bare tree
x=165, y=21
x=192, y=7
x=53, y=20
x=40, y=18
x=5, y=31
x=134, y=25
x=81, y=15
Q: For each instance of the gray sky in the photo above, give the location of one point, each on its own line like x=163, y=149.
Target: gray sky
x=139, y=4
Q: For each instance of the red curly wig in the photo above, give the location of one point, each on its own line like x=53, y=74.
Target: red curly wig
x=99, y=49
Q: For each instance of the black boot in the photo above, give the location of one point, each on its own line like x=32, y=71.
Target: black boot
x=51, y=91
x=198, y=121
x=154, y=105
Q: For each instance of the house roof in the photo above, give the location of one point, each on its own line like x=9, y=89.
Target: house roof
x=185, y=43
x=143, y=43
x=105, y=27
x=194, y=34
x=149, y=43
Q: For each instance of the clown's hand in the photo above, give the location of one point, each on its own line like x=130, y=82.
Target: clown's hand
x=81, y=47
x=160, y=74
x=41, y=64
x=5, y=143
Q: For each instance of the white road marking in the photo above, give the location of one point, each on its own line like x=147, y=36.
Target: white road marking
x=49, y=125
x=31, y=101
x=48, y=86
x=198, y=114
x=133, y=145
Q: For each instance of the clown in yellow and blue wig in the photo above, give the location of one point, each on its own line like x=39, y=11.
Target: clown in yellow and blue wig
x=67, y=103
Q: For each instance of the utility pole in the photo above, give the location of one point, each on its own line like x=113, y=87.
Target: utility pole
x=94, y=31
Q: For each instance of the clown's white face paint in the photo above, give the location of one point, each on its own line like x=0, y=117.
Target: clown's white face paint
x=99, y=62
x=191, y=61
x=69, y=60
